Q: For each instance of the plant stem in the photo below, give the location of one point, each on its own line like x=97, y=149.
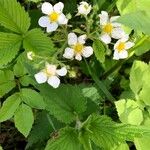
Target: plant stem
x=100, y=84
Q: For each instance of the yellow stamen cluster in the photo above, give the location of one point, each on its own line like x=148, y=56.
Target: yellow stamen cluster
x=121, y=46
x=53, y=16
x=108, y=28
x=78, y=48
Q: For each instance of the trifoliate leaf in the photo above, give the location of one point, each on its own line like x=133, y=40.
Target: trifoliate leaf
x=13, y=16
x=32, y=98
x=7, y=82
x=129, y=112
x=64, y=102
x=36, y=41
x=136, y=74
x=99, y=50
x=24, y=119
x=9, y=107
x=9, y=47
x=67, y=140
x=106, y=134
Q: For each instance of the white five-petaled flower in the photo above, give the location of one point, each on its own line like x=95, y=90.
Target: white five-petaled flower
x=77, y=48
x=110, y=28
x=121, y=48
x=84, y=8
x=50, y=74
x=54, y=16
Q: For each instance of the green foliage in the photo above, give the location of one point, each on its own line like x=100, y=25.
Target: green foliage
x=129, y=112
x=132, y=20
x=7, y=82
x=32, y=98
x=136, y=74
x=144, y=47
x=41, y=129
x=64, y=102
x=9, y=47
x=67, y=140
x=13, y=16
x=106, y=134
x=36, y=41
x=24, y=119
x=99, y=50
x=9, y=107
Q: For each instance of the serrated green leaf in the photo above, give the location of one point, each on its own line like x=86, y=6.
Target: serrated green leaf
x=106, y=134
x=132, y=20
x=136, y=74
x=24, y=119
x=142, y=143
x=13, y=16
x=129, y=6
x=32, y=98
x=64, y=102
x=143, y=48
x=9, y=47
x=99, y=50
x=9, y=107
x=7, y=82
x=122, y=146
x=19, y=69
x=144, y=93
x=1, y=148
x=36, y=41
x=67, y=140
x=129, y=112
x=35, y=1
x=41, y=129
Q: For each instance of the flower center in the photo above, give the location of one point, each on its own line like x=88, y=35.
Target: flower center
x=86, y=7
x=50, y=71
x=121, y=46
x=78, y=48
x=53, y=16
x=108, y=28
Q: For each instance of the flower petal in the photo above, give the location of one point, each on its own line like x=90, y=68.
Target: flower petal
x=44, y=21
x=114, y=18
x=52, y=27
x=72, y=39
x=54, y=81
x=116, y=55
x=87, y=51
x=58, y=7
x=69, y=53
x=78, y=57
x=105, y=38
x=41, y=77
x=62, y=19
x=117, y=33
x=103, y=17
x=82, y=39
x=47, y=8
x=62, y=71
x=128, y=45
x=116, y=45
x=123, y=54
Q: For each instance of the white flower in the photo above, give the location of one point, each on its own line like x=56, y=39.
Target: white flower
x=54, y=16
x=110, y=28
x=30, y=55
x=121, y=48
x=77, y=48
x=84, y=8
x=50, y=75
